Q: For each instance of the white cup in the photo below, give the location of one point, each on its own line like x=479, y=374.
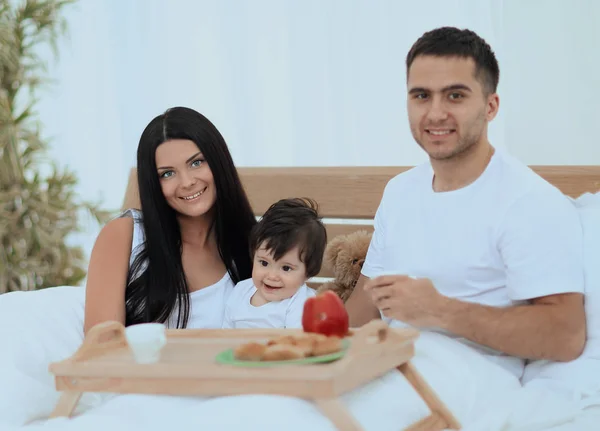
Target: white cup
x=146, y=341
x=383, y=273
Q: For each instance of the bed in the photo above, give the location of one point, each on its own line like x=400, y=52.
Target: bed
x=45, y=326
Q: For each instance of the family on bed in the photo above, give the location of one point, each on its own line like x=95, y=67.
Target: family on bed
x=472, y=244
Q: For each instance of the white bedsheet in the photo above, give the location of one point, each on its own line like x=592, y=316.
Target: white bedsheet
x=45, y=326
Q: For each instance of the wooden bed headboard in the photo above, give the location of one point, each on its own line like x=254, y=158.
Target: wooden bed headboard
x=349, y=196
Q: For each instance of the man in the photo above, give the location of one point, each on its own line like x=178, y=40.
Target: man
x=478, y=246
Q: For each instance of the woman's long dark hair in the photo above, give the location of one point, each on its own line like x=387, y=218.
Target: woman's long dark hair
x=156, y=283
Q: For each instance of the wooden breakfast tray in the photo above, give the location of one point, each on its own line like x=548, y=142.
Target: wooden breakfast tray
x=187, y=366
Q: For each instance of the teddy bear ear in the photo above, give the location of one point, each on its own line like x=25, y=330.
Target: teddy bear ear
x=333, y=249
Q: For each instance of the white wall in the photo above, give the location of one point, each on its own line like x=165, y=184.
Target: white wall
x=551, y=80
x=308, y=82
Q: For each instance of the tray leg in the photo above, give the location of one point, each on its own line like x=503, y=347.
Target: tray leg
x=66, y=404
x=337, y=413
x=433, y=422
x=437, y=407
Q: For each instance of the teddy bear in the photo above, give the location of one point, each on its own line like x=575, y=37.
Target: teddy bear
x=345, y=255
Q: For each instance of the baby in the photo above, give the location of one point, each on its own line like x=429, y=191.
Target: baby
x=288, y=245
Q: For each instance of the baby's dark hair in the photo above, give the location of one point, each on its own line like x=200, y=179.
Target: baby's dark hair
x=289, y=223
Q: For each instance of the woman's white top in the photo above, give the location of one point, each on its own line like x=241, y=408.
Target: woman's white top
x=207, y=305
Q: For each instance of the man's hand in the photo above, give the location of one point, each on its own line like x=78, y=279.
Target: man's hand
x=359, y=306
x=410, y=300
x=551, y=327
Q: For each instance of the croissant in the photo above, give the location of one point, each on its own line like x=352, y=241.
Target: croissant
x=289, y=347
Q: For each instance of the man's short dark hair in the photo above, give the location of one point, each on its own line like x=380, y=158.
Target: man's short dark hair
x=289, y=223
x=453, y=42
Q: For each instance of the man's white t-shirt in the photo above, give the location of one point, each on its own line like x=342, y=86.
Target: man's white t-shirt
x=239, y=313
x=508, y=237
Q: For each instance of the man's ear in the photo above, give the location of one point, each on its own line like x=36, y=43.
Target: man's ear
x=493, y=105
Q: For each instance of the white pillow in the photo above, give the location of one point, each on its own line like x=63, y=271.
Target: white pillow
x=36, y=328
x=580, y=376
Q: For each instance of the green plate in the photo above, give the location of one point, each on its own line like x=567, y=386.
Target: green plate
x=226, y=357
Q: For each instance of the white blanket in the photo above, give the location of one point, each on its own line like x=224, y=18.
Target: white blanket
x=41, y=327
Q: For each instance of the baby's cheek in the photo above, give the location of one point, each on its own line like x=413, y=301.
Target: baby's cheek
x=295, y=280
x=256, y=276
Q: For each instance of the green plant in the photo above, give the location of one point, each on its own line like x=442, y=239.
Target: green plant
x=37, y=211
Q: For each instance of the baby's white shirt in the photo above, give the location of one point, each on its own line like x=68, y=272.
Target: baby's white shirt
x=239, y=313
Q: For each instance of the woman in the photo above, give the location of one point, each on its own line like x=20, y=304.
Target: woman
x=175, y=261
